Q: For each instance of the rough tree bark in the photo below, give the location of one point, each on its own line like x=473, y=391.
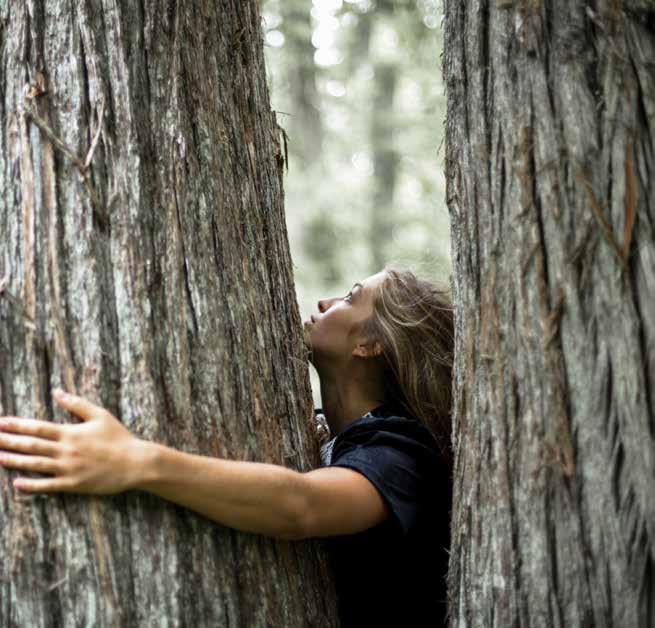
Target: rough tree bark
x=551, y=177
x=157, y=281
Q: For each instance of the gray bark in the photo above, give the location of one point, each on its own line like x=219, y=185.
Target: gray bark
x=158, y=282
x=551, y=177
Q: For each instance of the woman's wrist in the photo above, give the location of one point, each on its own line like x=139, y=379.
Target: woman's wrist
x=144, y=457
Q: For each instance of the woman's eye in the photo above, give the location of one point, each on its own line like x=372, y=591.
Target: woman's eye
x=348, y=297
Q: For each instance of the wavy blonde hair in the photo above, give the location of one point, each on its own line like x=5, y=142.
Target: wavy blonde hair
x=413, y=321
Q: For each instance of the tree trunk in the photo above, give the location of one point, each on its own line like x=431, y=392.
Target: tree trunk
x=385, y=163
x=382, y=141
x=158, y=282
x=551, y=177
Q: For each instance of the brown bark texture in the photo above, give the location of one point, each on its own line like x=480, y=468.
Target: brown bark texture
x=144, y=263
x=550, y=184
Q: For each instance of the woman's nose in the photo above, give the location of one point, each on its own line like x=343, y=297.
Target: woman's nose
x=324, y=304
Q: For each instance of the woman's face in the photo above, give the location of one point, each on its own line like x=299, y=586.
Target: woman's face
x=333, y=333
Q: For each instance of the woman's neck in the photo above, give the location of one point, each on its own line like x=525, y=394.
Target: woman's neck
x=346, y=399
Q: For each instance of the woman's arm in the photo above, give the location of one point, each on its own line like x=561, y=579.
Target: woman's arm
x=264, y=498
x=100, y=457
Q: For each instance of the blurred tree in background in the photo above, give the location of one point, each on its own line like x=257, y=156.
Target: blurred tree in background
x=357, y=87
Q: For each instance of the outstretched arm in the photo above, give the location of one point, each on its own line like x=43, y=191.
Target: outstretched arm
x=251, y=496
x=100, y=456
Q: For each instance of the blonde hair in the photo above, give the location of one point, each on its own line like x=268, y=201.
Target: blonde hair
x=413, y=321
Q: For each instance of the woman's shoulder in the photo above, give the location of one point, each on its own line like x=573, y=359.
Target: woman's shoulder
x=387, y=426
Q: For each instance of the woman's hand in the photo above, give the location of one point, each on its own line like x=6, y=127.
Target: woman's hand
x=97, y=456
x=322, y=429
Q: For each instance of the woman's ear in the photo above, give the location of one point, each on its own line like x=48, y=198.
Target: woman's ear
x=367, y=349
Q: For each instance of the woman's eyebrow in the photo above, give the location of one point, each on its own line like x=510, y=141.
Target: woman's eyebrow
x=356, y=285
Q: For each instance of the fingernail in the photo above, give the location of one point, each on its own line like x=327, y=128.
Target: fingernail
x=58, y=393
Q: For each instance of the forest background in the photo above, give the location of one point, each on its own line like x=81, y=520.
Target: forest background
x=357, y=88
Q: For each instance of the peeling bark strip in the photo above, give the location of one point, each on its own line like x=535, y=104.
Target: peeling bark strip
x=144, y=263
x=551, y=188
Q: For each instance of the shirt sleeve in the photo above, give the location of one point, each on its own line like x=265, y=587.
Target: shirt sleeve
x=386, y=460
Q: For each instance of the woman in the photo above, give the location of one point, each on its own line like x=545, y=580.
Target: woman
x=384, y=356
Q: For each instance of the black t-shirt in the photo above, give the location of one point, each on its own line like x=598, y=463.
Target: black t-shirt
x=394, y=574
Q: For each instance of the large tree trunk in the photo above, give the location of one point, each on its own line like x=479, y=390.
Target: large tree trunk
x=551, y=177
x=157, y=282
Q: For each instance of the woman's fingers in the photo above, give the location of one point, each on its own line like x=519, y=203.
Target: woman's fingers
x=93, y=457
x=78, y=406
x=39, y=464
x=45, y=485
x=33, y=427
x=28, y=445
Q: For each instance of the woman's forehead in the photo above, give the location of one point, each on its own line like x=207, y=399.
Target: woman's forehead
x=373, y=281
